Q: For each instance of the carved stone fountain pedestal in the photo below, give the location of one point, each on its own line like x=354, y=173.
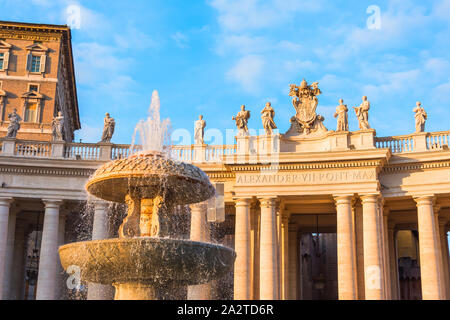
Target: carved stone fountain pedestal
x=146, y=256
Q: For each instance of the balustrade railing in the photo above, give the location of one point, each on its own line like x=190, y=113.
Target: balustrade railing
x=182, y=153
x=33, y=149
x=217, y=153
x=82, y=151
x=431, y=141
x=397, y=144
x=438, y=140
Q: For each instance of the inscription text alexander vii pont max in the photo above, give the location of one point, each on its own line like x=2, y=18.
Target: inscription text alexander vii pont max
x=307, y=177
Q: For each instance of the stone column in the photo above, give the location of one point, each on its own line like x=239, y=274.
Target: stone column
x=278, y=213
x=284, y=256
x=5, y=204
x=46, y=283
x=393, y=260
x=199, y=232
x=60, y=285
x=7, y=278
x=384, y=212
x=100, y=231
x=255, y=233
x=18, y=263
x=373, y=253
x=293, y=261
x=445, y=257
x=429, y=249
x=347, y=280
x=242, y=265
x=268, y=264
x=442, y=286
x=359, y=248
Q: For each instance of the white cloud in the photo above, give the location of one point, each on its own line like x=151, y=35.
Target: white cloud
x=88, y=133
x=247, y=71
x=238, y=15
x=180, y=39
x=133, y=38
x=94, y=61
x=242, y=44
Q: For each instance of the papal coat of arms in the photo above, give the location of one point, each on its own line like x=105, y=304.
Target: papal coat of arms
x=304, y=100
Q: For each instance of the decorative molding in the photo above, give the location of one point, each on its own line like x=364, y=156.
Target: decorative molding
x=221, y=175
x=33, y=36
x=307, y=166
x=46, y=171
x=416, y=166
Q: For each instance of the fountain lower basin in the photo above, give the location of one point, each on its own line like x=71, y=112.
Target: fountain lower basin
x=137, y=266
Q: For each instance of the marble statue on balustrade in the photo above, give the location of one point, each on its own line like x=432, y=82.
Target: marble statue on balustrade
x=267, y=116
x=420, y=116
x=199, y=132
x=305, y=101
x=14, y=124
x=108, y=128
x=58, y=127
x=342, y=116
x=362, y=113
x=241, y=121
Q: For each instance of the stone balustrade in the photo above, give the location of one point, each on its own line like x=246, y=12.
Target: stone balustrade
x=245, y=146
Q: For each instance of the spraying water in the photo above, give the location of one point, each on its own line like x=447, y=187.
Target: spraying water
x=153, y=133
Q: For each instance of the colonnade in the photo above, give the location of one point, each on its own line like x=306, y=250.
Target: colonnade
x=264, y=231
x=50, y=274
x=367, y=266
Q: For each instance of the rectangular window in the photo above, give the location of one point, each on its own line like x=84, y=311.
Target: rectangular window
x=35, y=64
x=2, y=59
x=34, y=87
x=30, y=112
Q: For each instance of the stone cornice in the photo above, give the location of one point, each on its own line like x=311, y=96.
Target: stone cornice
x=32, y=31
x=42, y=171
x=308, y=166
x=221, y=175
x=415, y=166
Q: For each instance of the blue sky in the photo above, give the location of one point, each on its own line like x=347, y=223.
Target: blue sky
x=211, y=56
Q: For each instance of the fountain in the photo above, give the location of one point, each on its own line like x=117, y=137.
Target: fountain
x=147, y=255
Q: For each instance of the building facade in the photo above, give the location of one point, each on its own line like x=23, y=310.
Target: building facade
x=37, y=79
x=312, y=213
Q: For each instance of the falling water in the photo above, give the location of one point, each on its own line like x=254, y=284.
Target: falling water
x=153, y=133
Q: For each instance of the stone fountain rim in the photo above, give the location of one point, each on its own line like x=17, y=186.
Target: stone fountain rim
x=87, y=255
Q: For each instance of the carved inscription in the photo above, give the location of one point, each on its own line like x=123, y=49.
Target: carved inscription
x=318, y=177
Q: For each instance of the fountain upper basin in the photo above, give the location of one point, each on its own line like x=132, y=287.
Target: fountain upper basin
x=152, y=261
x=145, y=175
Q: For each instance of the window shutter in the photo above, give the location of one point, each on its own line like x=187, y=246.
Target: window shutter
x=42, y=66
x=29, y=61
x=6, y=61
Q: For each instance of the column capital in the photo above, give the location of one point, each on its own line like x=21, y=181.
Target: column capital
x=198, y=206
x=100, y=204
x=370, y=198
x=242, y=202
x=5, y=201
x=267, y=202
x=424, y=199
x=343, y=198
x=52, y=203
x=254, y=204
